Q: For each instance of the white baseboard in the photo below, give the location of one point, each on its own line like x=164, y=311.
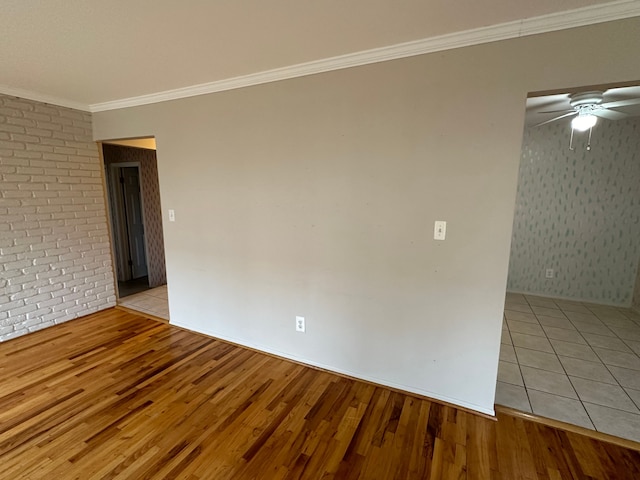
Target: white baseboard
x=570, y=299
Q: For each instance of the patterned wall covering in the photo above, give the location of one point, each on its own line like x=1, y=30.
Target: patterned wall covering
x=636, y=292
x=578, y=212
x=151, y=199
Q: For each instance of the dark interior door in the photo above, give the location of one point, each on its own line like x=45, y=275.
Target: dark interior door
x=130, y=181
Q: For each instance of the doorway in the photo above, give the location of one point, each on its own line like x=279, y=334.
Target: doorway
x=570, y=347
x=135, y=212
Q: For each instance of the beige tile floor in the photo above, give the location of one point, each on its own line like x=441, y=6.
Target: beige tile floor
x=153, y=301
x=572, y=361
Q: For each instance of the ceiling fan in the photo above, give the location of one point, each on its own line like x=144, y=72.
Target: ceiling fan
x=588, y=106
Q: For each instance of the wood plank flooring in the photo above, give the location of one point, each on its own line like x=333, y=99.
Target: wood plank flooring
x=115, y=395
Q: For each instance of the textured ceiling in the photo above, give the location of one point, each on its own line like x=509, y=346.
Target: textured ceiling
x=92, y=51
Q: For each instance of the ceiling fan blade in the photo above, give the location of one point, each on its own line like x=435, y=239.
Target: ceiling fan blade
x=560, y=111
x=610, y=114
x=556, y=118
x=621, y=103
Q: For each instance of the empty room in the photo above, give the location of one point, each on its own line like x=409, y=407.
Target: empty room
x=251, y=240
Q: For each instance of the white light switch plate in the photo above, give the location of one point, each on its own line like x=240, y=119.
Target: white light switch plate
x=440, y=230
x=172, y=215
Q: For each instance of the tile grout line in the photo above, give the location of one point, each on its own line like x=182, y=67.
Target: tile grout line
x=562, y=365
x=524, y=385
x=601, y=361
x=611, y=373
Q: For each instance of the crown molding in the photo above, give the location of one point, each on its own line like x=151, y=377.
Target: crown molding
x=531, y=26
x=590, y=15
x=41, y=97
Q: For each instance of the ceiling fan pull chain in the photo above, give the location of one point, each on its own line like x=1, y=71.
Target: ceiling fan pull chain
x=571, y=141
x=589, y=141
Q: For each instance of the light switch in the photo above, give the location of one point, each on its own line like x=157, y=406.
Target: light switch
x=172, y=215
x=440, y=230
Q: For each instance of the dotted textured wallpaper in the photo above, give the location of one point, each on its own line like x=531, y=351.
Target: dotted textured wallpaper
x=578, y=212
x=636, y=293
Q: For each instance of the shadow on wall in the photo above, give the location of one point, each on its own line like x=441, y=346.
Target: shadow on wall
x=152, y=212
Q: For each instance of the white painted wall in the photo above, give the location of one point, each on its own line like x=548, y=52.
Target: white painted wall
x=55, y=263
x=317, y=196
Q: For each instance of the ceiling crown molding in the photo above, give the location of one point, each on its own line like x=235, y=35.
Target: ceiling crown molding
x=547, y=23
x=606, y=12
x=41, y=97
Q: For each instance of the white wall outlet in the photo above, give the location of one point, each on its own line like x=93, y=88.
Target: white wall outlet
x=440, y=230
x=548, y=273
x=172, y=215
x=300, y=324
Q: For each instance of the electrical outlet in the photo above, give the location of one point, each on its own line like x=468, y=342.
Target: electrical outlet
x=300, y=327
x=549, y=273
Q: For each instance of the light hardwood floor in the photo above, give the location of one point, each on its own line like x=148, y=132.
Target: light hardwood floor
x=115, y=395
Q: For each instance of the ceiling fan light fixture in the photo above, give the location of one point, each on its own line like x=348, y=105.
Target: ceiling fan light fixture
x=583, y=122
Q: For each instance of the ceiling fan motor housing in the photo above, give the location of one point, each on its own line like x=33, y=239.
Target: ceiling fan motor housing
x=586, y=102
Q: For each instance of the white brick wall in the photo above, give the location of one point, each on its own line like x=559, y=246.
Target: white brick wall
x=55, y=263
